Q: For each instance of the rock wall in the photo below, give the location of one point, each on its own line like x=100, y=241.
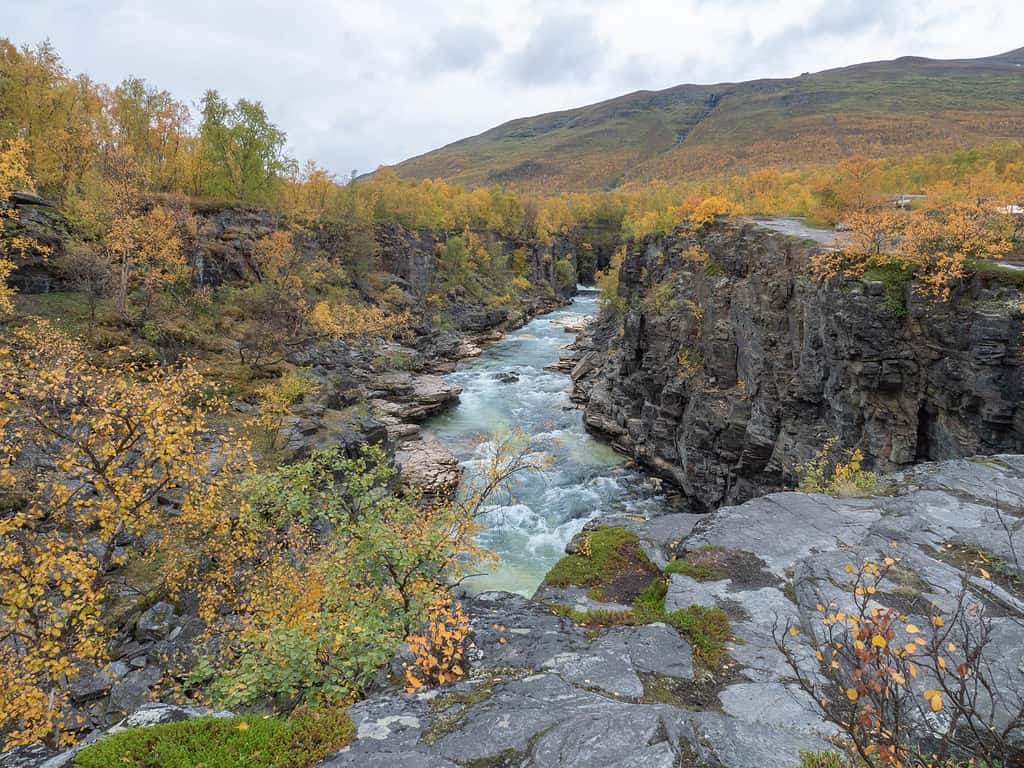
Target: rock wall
x=224, y=247
x=727, y=373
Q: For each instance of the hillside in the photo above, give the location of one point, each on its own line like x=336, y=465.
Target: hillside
x=692, y=131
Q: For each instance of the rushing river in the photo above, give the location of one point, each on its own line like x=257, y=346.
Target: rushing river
x=588, y=479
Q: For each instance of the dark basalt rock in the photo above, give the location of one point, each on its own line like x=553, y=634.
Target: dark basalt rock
x=752, y=364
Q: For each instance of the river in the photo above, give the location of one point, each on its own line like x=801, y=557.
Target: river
x=588, y=479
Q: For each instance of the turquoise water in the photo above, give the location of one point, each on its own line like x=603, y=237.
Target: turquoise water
x=529, y=529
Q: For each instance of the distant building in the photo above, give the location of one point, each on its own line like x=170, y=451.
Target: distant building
x=1012, y=210
x=903, y=201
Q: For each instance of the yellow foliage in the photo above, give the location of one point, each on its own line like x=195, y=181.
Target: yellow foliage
x=120, y=440
x=358, y=325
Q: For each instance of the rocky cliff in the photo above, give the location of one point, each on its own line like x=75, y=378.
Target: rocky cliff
x=732, y=364
x=222, y=250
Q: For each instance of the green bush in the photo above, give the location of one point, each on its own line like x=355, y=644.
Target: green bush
x=235, y=742
x=565, y=273
x=895, y=278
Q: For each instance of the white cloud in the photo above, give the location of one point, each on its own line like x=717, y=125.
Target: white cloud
x=357, y=83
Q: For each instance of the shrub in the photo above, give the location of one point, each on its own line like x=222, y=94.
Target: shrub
x=439, y=651
x=884, y=680
x=354, y=567
x=565, y=273
x=824, y=474
x=236, y=742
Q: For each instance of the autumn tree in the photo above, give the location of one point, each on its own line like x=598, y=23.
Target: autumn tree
x=872, y=237
x=94, y=457
x=142, y=243
x=275, y=304
x=13, y=177
x=155, y=125
x=939, y=244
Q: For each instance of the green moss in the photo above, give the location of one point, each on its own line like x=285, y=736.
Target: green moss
x=236, y=742
x=697, y=565
x=612, y=552
x=707, y=629
x=1000, y=273
x=650, y=604
x=895, y=278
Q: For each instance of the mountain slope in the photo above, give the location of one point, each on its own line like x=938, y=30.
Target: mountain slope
x=881, y=108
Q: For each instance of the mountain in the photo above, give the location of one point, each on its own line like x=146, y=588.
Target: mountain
x=878, y=109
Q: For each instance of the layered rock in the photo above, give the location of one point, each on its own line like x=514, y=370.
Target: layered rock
x=731, y=369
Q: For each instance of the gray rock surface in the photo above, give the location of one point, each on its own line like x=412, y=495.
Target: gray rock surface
x=155, y=623
x=544, y=691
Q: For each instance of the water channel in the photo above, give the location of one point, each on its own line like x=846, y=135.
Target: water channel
x=507, y=388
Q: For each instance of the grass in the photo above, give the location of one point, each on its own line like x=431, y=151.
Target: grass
x=895, y=279
x=706, y=629
x=698, y=565
x=235, y=742
x=613, y=555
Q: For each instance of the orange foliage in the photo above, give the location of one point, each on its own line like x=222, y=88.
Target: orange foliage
x=440, y=650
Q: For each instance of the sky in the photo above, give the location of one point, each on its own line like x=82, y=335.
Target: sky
x=357, y=84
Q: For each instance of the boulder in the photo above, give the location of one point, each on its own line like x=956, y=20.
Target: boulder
x=155, y=623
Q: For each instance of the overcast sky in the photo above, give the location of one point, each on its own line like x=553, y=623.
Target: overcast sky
x=361, y=83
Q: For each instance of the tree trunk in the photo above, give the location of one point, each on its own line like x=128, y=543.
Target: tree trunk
x=122, y=288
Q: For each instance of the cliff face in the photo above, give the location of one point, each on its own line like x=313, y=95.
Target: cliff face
x=222, y=251
x=730, y=371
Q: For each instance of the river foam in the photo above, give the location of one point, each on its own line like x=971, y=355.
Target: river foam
x=508, y=388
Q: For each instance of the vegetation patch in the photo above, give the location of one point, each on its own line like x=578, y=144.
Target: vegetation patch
x=978, y=562
x=610, y=562
x=698, y=694
x=895, y=278
x=595, y=618
x=706, y=629
x=235, y=742
x=711, y=563
x=999, y=273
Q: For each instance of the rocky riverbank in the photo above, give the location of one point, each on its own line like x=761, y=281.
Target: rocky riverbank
x=545, y=691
